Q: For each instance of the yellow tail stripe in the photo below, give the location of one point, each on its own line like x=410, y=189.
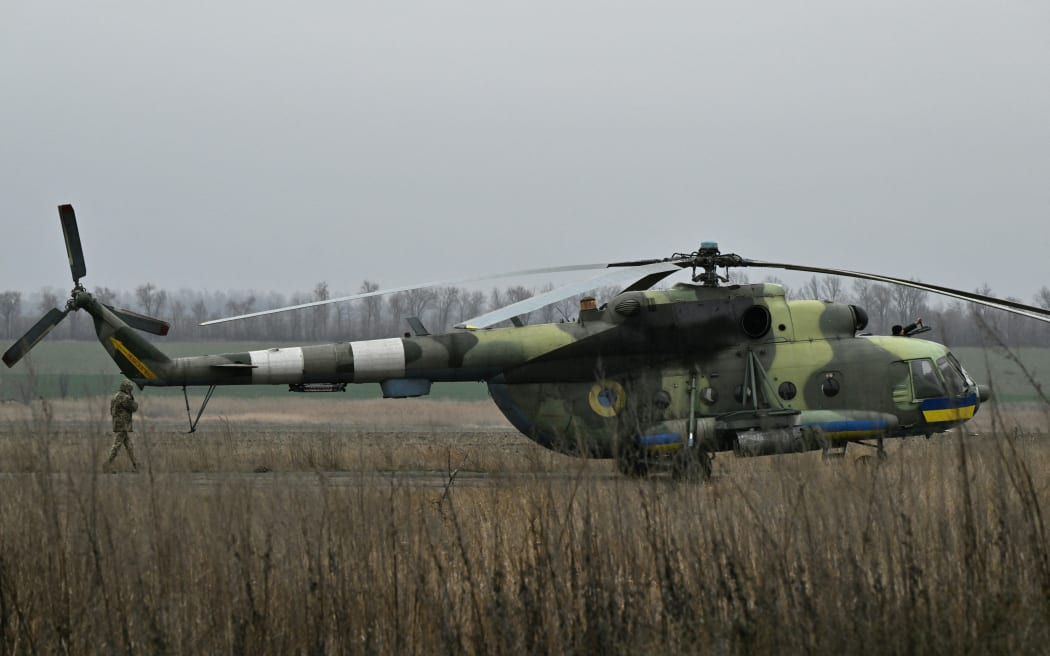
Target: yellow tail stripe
x=135, y=362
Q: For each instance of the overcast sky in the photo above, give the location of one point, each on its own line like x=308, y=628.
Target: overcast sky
x=271, y=145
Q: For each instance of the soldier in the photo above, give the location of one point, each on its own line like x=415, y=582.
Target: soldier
x=121, y=408
x=906, y=331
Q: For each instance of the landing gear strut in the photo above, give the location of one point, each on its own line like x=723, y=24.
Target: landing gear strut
x=207, y=397
x=828, y=455
x=879, y=446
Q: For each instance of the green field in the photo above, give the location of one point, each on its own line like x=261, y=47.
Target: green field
x=67, y=369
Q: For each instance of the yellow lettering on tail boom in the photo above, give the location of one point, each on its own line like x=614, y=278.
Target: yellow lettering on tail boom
x=135, y=362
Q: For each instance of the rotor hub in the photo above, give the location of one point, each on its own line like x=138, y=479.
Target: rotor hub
x=708, y=258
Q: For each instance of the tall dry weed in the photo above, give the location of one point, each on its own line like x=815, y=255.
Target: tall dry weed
x=290, y=539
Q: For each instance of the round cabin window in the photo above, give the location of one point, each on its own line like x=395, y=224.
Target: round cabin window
x=830, y=387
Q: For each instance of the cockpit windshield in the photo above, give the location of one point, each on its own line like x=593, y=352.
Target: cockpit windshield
x=970, y=384
x=953, y=376
x=945, y=378
x=926, y=384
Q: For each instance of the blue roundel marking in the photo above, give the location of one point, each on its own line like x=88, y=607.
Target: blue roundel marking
x=607, y=398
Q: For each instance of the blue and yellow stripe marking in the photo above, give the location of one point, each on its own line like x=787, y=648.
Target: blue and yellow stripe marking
x=662, y=441
x=945, y=409
x=851, y=429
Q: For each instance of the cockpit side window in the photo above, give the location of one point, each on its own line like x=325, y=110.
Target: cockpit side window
x=924, y=379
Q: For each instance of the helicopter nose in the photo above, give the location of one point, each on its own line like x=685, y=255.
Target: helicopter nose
x=984, y=393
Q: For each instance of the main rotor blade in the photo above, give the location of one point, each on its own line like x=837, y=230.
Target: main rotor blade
x=1022, y=309
x=142, y=322
x=34, y=335
x=74, y=251
x=615, y=276
x=394, y=290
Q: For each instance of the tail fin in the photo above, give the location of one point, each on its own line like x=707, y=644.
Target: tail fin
x=138, y=359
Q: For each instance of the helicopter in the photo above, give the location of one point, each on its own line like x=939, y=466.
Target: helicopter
x=657, y=379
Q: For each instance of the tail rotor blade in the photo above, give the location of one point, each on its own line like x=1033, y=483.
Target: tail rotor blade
x=35, y=334
x=73, y=249
x=141, y=322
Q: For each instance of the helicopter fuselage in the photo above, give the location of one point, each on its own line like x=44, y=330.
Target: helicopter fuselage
x=735, y=367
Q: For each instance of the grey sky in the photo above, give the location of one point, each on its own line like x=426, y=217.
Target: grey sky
x=263, y=145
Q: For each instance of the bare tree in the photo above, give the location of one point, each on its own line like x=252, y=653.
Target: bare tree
x=199, y=311
x=275, y=326
x=418, y=300
x=567, y=309
x=150, y=298
x=908, y=302
x=1042, y=297
x=396, y=304
x=48, y=299
x=373, y=308
x=319, y=329
x=295, y=319
x=10, y=308
x=238, y=306
x=471, y=304
x=881, y=296
x=823, y=288
x=1014, y=329
x=863, y=292
x=178, y=314
x=831, y=288
x=548, y=313
x=105, y=295
x=496, y=300
x=344, y=313
x=447, y=299
x=518, y=293
x=811, y=288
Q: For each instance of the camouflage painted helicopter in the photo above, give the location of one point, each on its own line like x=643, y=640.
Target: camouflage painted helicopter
x=657, y=379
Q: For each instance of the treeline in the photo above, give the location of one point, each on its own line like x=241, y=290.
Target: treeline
x=440, y=308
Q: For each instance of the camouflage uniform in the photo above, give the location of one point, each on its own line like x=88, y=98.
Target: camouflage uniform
x=121, y=408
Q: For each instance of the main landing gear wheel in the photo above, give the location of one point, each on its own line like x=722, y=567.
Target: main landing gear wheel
x=629, y=459
x=691, y=464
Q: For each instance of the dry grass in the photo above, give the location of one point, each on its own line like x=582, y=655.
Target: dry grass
x=342, y=546
x=296, y=412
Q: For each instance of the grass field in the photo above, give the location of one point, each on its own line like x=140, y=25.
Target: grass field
x=426, y=527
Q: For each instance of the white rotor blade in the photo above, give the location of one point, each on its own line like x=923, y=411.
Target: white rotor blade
x=565, y=291
x=394, y=290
